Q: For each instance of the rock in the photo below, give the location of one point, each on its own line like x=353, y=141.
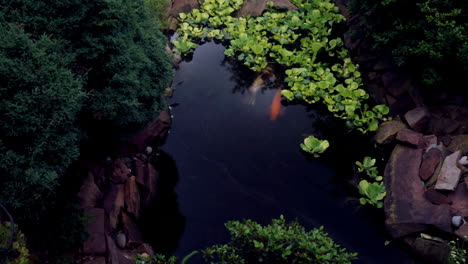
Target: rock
x=135, y=238
x=432, y=251
x=410, y=137
x=256, y=7
x=449, y=174
x=443, y=126
x=98, y=260
x=463, y=161
x=417, y=118
x=145, y=249
x=457, y=220
x=96, y=242
x=460, y=201
x=429, y=140
x=183, y=6
x=173, y=23
x=406, y=209
x=121, y=240
x=120, y=171
x=462, y=231
x=388, y=130
x=115, y=255
x=89, y=193
x=113, y=203
x=176, y=60
x=132, y=197
x=436, y=197
x=429, y=163
x=399, y=86
x=459, y=142
x=150, y=183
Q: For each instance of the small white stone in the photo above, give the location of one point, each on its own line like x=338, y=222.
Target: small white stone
x=463, y=160
x=457, y=220
x=121, y=240
x=149, y=150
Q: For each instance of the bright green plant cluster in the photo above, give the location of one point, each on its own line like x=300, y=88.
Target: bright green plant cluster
x=373, y=192
x=458, y=254
x=277, y=243
x=314, y=145
x=157, y=259
x=318, y=66
x=18, y=254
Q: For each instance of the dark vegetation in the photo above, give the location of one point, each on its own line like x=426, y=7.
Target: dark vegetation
x=426, y=37
x=70, y=70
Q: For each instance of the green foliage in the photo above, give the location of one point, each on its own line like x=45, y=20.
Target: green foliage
x=157, y=259
x=314, y=145
x=157, y=11
x=38, y=132
x=426, y=37
x=19, y=254
x=277, y=243
x=458, y=253
x=373, y=193
x=318, y=66
x=367, y=166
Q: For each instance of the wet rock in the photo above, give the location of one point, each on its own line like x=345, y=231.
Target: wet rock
x=460, y=201
x=135, y=238
x=417, y=118
x=406, y=209
x=410, y=137
x=429, y=140
x=132, y=197
x=432, y=251
x=459, y=142
x=429, y=163
x=256, y=7
x=183, y=6
x=449, y=174
x=120, y=171
x=96, y=242
x=388, y=130
x=436, y=197
x=121, y=240
x=113, y=203
x=89, y=193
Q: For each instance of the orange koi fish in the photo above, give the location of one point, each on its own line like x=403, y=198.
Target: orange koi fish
x=275, y=108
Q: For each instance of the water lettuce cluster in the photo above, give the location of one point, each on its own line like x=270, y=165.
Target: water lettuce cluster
x=373, y=191
x=318, y=67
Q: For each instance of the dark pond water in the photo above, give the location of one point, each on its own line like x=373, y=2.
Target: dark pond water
x=229, y=161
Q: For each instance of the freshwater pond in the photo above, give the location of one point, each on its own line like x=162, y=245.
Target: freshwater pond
x=226, y=160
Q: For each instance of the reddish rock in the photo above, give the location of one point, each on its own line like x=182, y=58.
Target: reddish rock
x=417, y=118
x=429, y=140
x=462, y=231
x=120, y=171
x=113, y=203
x=436, y=197
x=134, y=236
x=388, y=130
x=449, y=175
x=96, y=242
x=429, y=163
x=443, y=126
x=151, y=178
x=89, y=193
x=410, y=137
x=406, y=209
x=460, y=201
x=256, y=7
x=115, y=255
x=132, y=197
x=183, y=6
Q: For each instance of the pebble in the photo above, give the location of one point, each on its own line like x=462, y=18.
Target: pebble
x=463, y=160
x=457, y=220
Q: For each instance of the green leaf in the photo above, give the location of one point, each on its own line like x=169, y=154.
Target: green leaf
x=288, y=94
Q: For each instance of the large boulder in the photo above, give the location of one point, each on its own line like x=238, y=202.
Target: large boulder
x=134, y=235
x=406, y=209
x=119, y=171
x=113, y=203
x=89, y=193
x=388, y=130
x=96, y=242
x=417, y=118
x=449, y=175
x=256, y=7
x=431, y=160
x=132, y=197
x=183, y=6
x=410, y=137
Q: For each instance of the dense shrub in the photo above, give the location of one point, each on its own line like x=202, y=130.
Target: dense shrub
x=278, y=243
x=426, y=37
x=18, y=253
x=38, y=135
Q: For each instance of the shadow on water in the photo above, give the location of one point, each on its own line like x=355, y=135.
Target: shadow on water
x=162, y=223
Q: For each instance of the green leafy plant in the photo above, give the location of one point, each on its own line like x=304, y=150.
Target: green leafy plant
x=458, y=253
x=373, y=193
x=161, y=259
x=277, y=243
x=368, y=166
x=19, y=253
x=314, y=145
